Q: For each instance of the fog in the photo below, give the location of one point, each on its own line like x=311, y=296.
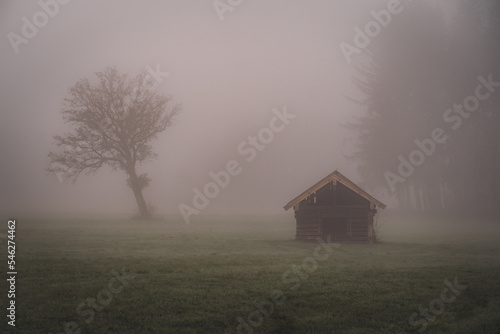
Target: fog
x=229, y=75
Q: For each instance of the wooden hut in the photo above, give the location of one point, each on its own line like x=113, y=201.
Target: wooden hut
x=337, y=207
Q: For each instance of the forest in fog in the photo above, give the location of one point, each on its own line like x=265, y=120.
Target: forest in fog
x=425, y=77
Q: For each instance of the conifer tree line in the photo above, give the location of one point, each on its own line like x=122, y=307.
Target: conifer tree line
x=420, y=66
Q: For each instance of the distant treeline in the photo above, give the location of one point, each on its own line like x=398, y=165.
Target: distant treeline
x=430, y=131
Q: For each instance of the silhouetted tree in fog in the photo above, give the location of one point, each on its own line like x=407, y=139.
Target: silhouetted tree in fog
x=113, y=124
x=474, y=150
x=404, y=95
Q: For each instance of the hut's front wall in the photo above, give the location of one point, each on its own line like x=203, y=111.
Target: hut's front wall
x=341, y=224
x=335, y=211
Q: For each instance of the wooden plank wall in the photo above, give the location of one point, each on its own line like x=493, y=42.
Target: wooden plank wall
x=310, y=222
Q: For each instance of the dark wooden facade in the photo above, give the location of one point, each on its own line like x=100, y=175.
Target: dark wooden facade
x=335, y=207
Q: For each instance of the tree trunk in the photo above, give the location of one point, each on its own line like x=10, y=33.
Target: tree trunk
x=417, y=191
x=136, y=188
x=399, y=194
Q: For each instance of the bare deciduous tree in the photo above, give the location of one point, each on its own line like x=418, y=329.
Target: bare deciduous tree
x=113, y=124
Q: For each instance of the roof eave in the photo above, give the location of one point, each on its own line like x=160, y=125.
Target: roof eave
x=335, y=175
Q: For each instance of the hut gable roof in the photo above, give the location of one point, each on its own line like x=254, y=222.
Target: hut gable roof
x=337, y=176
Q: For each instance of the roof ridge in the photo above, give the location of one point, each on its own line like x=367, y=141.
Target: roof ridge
x=351, y=185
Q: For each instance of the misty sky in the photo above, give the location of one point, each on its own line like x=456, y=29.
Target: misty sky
x=228, y=75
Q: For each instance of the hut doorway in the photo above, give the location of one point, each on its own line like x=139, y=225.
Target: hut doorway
x=336, y=227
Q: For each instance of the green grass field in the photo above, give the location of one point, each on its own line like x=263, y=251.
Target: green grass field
x=206, y=278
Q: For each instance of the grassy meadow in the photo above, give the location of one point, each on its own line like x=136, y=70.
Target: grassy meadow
x=79, y=275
